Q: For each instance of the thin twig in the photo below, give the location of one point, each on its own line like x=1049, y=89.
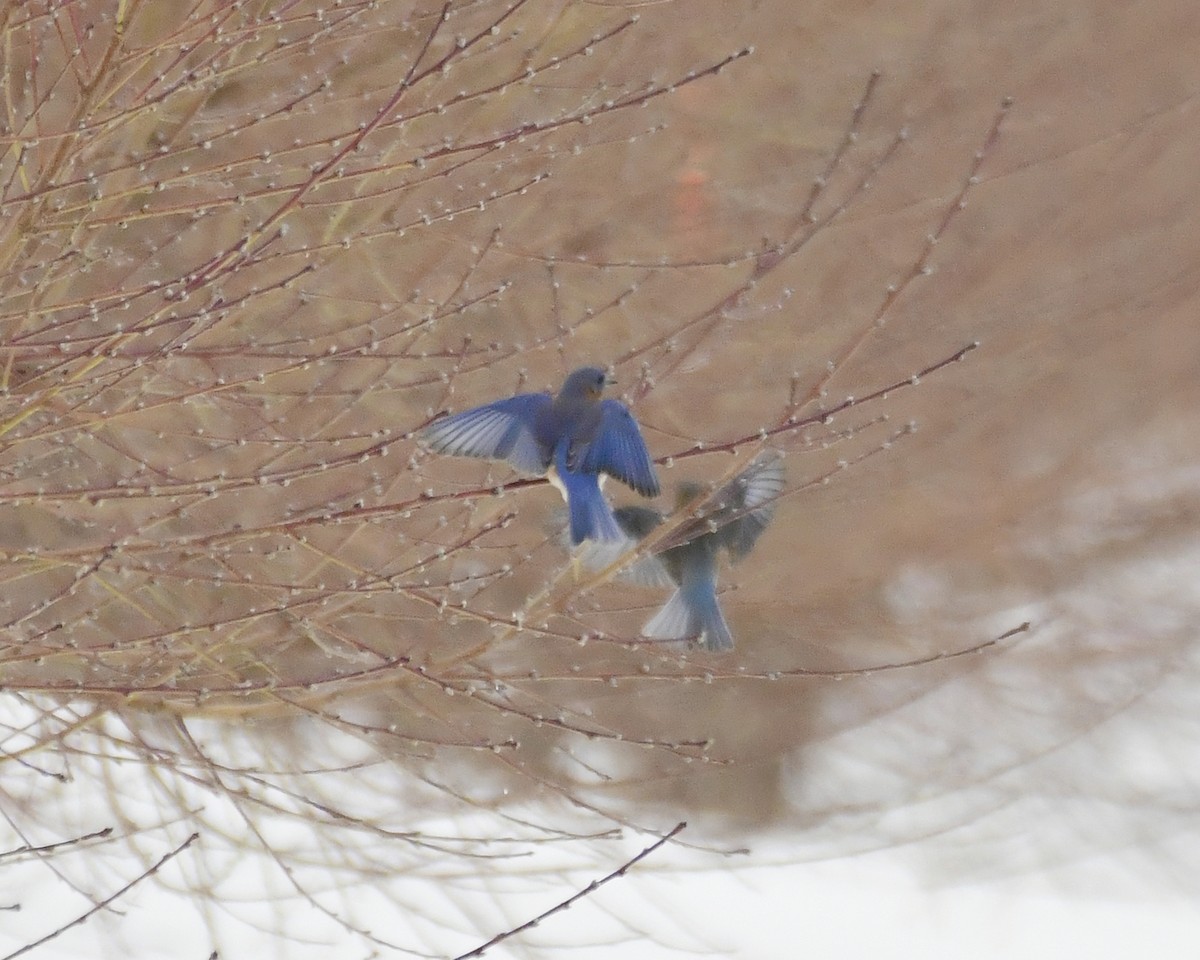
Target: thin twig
x=82, y=918
x=575, y=897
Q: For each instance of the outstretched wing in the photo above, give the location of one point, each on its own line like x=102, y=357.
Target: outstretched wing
x=504, y=430
x=636, y=523
x=749, y=501
x=615, y=447
x=735, y=515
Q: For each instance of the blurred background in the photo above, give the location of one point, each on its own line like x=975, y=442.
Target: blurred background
x=274, y=675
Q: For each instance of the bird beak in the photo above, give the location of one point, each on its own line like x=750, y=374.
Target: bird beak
x=610, y=380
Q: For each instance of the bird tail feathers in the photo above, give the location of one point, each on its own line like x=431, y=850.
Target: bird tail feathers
x=692, y=613
x=592, y=518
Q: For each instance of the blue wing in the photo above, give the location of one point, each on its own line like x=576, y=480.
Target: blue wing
x=735, y=516
x=616, y=448
x=751, y=495
x=636, y=523
x=504, y=430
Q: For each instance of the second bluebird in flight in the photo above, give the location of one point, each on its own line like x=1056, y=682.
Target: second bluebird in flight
x=573, y=439
x=733, y=518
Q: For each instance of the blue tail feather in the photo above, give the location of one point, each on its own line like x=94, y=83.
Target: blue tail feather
x=591, y=516
x=705, y=618
x=692, y=613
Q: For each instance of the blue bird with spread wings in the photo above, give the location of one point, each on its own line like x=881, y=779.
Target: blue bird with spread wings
x=574, y=439
x=732, y=518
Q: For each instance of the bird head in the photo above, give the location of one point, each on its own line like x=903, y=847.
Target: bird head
x=638, y=522
x=688, y=492
x=586, y=383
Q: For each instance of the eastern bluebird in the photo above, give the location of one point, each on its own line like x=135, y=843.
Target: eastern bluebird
x=573, y=439
x=687, y=558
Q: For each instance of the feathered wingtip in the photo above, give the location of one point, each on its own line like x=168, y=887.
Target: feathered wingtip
x=753, y=494
x=595, y=555
x=736, y=514
x=643, y=572
x=503, y=430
